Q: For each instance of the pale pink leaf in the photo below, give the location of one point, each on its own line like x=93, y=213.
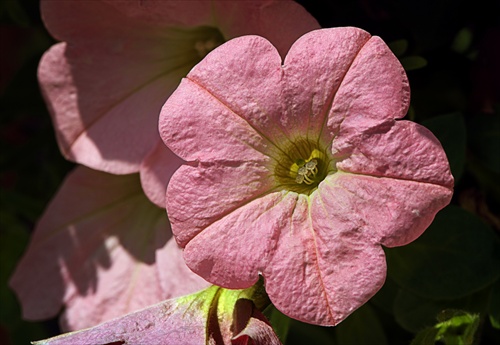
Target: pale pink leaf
x=206, y=317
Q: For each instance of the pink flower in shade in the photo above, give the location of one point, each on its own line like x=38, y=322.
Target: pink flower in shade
x=212, y=316
x=300, y=171
x=120, y=60
x=101, y=250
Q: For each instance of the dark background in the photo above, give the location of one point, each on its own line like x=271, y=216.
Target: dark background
x=451, y=50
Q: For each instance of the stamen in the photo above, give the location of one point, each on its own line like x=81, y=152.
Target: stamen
x=307, y=172
x=299, y=179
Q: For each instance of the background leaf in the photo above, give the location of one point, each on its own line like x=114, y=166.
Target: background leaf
x=456, y=256
x=451, y=132
x=362, y=327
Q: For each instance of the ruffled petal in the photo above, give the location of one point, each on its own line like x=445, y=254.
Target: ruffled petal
x=95, y=251
x=198, y=196
x=321, y=270
x=405, y=151
x=199, y=127
x=238, y=253
x=245, y=75
x=373, y=93
x=388, y=211
x=314, y=69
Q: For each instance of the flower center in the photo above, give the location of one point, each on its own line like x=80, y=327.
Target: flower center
x=302, y=166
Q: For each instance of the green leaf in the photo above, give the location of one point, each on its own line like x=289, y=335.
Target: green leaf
x=456, y=256
x=413, y=62
x=425, y=337
x=360, y=328
x=457, y=327
x=303, y=333
x=279, y=321
x=485, y=139
x=398, y=47
x=462, y=41
x=451, y=131
x=414, y=313
x=385, y=297
x=494, y=307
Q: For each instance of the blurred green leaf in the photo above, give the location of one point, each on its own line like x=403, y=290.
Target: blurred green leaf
x=484, y=135
x=13, y=10
x=425, y=337
x=462, y=41
x=279, y=321
x=414, y=313
x=456, y=256
x=303, y=333
x=362, y=327
x=451, y=131
x=384, y=299
x=494, y=307
x=399, y=47
x=411, y=63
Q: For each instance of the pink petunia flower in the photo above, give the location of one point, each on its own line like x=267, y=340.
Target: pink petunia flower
x=304, y=170
x=119, y=61
x=101, y=250
x=211, y=316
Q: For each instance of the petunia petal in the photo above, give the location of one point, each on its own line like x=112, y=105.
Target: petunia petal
x=388, y=211
x=197, y=196
x=315, y=67
x=207, y=130
x=320, y=271
x=405, y=151
x=251, y=88
x=156, y=170
x=238, y=254
x=94, y=250
x=373, y=93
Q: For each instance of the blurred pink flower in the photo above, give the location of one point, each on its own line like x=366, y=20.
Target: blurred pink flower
x=303, y=171
x=212, y=316
x=101, y=250
x=120, y=60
